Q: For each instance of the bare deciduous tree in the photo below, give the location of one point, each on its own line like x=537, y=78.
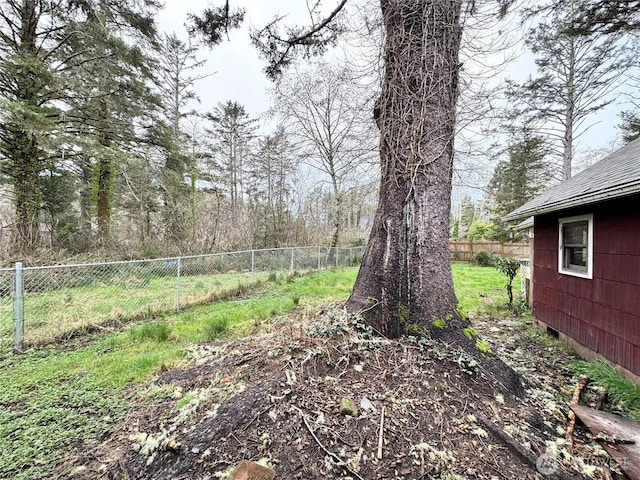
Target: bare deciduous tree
x=331, y=127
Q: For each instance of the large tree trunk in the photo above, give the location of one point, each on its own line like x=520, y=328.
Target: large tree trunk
x=406, y=268
x=104, y=193
x=26, y=170
x=405, y=279
x=24, y=154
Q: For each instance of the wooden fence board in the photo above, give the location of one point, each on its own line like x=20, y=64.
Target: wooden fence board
x=464, y=251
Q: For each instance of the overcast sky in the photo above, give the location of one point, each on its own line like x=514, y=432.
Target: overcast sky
x=239, y=74
x=238, y=68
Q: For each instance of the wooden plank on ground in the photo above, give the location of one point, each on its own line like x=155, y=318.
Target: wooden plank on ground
x=247, y=470
x=622, y=434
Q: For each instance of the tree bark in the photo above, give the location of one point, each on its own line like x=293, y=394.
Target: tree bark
x=405, y=280
x=24, y=152
x=26, y=183
x=104, y=189
x=406, y=270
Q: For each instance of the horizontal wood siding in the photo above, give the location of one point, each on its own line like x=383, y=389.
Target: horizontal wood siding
x=602, y=313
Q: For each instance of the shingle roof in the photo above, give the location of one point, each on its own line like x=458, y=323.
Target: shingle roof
x=616, y=175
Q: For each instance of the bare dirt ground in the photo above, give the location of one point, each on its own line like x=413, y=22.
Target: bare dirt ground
x=425, y=410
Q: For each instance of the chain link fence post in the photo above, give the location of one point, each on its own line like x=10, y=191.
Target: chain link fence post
x=178, y=268
x=253, y=267
x=18, y=310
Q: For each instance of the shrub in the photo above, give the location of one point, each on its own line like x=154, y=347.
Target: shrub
x=509, y=267
x=216, y=328
x=484, y=259
x=154, y=331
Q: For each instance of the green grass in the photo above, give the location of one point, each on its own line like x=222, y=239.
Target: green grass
x=482, y=290
x=621, y=390
x=52, y=316
x=157, y=331
x=52, y=400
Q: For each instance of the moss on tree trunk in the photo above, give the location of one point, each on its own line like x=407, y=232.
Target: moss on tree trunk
x=405, y=280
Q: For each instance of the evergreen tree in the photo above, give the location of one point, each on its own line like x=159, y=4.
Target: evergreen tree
x=270, y=174
x=63, y=64
x=234, y=132
x=630, y=125
x=575, y=77
x=29, y=33
x=175, y=79
x=606, y=16
x=518, y=178
x=466, y=216
x=111, y=101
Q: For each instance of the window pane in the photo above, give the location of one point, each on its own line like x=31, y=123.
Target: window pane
x=575, y=256
x=575, y=233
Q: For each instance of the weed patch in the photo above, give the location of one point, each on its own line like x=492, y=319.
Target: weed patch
x=153, y=331
x=216, y=328
x=620, y=389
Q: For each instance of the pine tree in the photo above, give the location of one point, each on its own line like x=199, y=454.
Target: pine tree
x=518, y=178
x=111, y=101
x=176, y=75
x=575, y=77
x=234, y=131
x=63, y=64
x=630, y=125
x=270, y=174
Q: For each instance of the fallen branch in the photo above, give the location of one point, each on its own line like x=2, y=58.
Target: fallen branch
x=381, y=435
x=575, y=400
x=520, y=451
x=335, y=457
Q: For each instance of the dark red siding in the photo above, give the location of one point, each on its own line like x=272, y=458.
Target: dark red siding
x=602, y=313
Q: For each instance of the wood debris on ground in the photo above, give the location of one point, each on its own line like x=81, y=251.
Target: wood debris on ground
x=427, y=411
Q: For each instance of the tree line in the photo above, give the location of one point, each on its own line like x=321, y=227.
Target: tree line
x=100, y=145
x=578, y=71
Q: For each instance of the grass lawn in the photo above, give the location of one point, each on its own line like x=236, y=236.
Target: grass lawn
x=482, y=290
x=56, y=314
x=51, y=399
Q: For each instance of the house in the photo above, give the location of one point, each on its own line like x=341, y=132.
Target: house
x=586, y=259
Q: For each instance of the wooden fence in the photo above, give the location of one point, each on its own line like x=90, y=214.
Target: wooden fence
x=464, y=250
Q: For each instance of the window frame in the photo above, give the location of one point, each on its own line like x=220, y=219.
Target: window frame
x=589, y=260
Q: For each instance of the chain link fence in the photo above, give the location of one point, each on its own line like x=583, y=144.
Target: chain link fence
x=52, y=304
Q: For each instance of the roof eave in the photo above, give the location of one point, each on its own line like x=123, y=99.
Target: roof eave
x=617, y=192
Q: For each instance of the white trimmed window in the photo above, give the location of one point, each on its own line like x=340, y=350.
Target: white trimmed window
x=575, y=252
